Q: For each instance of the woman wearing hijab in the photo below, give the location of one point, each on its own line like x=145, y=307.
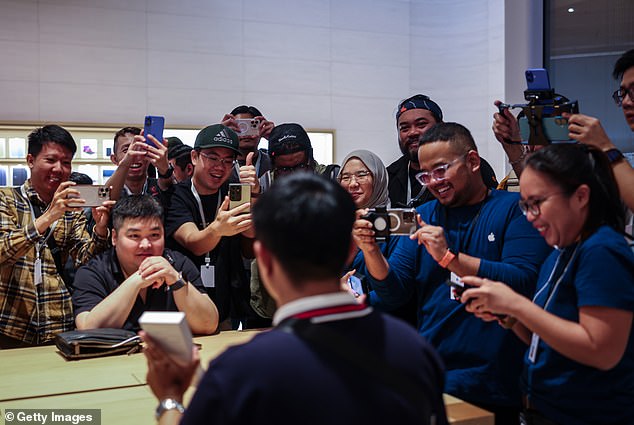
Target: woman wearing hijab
x=364, y=176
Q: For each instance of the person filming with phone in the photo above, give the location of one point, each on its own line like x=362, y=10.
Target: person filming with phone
x=40, y=229
x=201, y=224
x=579, y=366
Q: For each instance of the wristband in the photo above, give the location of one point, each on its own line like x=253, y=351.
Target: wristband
x=614, y=155
x=447, y=258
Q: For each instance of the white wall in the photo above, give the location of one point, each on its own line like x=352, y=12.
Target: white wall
x=338, y=64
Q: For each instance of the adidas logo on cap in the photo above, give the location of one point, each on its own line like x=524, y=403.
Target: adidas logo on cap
x=223, y=137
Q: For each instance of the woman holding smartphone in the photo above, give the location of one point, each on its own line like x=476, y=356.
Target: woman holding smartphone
x=579, y=366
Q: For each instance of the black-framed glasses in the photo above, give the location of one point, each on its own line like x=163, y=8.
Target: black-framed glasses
x=533, y=206
x=620, y=94
x=438, y=173
x=214, y=160
x=360, y=177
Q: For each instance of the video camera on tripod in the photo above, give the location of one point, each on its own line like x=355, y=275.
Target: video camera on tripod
x=542, y=122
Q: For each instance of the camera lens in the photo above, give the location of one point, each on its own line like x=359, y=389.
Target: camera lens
x=529, y=76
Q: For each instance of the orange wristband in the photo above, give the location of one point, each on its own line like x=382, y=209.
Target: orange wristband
x=446, y=259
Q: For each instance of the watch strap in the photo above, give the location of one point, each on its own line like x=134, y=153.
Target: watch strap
x=180, y=283
x=168, y=173
x=614, y=155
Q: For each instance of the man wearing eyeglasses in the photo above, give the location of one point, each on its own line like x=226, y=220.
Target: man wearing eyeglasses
x=200, y=224
x=468, y=230
x=414, y=117
x=588, y=129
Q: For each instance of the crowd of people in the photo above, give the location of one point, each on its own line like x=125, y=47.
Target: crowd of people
x=540, y=332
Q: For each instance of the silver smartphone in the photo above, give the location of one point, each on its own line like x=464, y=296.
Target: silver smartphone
x=94, y=195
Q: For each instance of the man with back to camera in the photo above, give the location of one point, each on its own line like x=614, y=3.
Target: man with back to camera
x=133, y=154
x=138, y=274
x=414, y=117
x=261, y=162
x=39, y=232
x=179, y=156
x=200, y=224
x=468, y=230
x=295, y=374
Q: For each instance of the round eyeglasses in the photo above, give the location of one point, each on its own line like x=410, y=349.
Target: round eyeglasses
x=533, y=206
x=360, y=177
x=438, y=173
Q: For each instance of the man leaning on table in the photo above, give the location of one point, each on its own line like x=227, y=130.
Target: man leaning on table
x=39, y=232
x=329, y=359
x=139, y=274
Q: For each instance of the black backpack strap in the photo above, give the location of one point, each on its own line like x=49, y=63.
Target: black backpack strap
x=356, y=356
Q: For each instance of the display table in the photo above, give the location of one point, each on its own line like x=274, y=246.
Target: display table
x=40, y=378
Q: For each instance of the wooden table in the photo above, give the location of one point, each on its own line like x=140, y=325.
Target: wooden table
x=40, y=378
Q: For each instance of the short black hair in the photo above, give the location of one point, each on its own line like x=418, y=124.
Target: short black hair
x=244, y=109
x=80, y=178
x=136, y=206
x=568, y=166
x=51, y=133
x=625, y=62
x=456, y=134
x=135, y=131
x=306, y=220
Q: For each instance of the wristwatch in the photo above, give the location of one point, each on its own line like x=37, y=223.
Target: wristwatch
x=168, y=404
x=614, y=155
x=168, y=173
x=178, y=284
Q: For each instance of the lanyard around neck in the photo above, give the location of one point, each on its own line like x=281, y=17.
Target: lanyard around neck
x=202, y=213
x=49, y=232
x=552, y=292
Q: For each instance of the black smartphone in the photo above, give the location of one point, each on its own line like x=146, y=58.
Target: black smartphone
x=153, y=125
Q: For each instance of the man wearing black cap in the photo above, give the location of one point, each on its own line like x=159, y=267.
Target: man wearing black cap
x=414, y=117
x=200, y=224
x=290, y=150
x=179, y=157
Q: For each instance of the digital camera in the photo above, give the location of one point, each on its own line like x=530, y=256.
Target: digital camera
x=247, y=127
x=396, y=221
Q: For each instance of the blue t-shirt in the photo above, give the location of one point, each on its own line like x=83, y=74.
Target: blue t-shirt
x=601, y=273
x=483, y=361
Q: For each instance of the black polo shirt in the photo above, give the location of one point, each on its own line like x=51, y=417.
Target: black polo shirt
x=102, y=275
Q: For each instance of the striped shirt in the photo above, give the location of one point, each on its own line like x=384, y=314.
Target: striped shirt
x=29, y=313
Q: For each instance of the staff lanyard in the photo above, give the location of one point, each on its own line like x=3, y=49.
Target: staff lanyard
x=38, y=245
x=532, y=350
x=202, y=216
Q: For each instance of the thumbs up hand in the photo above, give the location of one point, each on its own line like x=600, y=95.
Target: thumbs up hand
x=248, y=174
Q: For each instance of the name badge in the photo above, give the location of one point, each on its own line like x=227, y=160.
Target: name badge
x=38, y=271
x=454, y=278
x=207, y=276
x=532, y=351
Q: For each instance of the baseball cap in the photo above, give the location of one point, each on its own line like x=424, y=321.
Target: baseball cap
x=178, y=150
x=217, y=136
x=419, y=101
x=288, y=138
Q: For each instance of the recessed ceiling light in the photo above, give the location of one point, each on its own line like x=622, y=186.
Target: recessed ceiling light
x=571, y=9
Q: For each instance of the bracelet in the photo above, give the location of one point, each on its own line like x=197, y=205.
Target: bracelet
x=446, y=259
